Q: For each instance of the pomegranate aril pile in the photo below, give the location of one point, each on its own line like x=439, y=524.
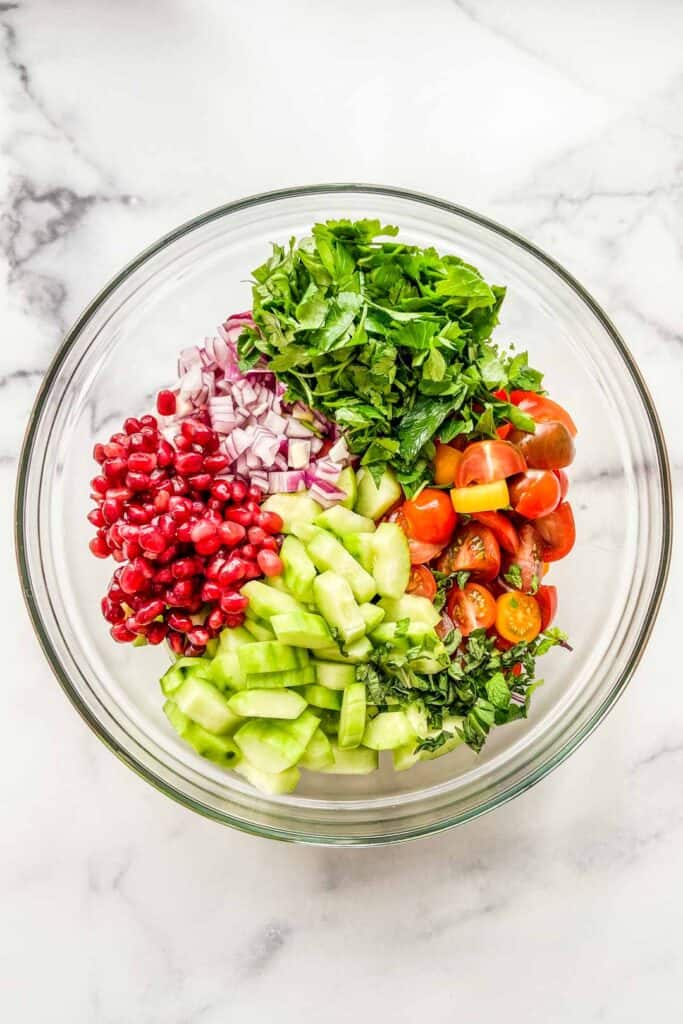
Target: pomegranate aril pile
x=185, y=537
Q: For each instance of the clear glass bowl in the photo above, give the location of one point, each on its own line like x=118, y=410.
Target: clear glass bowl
x=124, y=347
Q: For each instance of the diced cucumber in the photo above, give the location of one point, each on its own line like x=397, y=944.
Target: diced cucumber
x=359, y=650
x=318, y=754
x=360, y=545
x=417, y=716
x=410, y=606
x=274, y=746
x=359, y=761
x=353, y=716
x=270, y=656
x=219, y=749
x=333, y=675
x=212, y=647
x=203, y=703
x=329, y=721
x=258, y=629
x=299, y=571
x=176, y=675
x=406, y=756
x=391, y=567
x=335, y=600
x=328, y=554
x=270, y=703
x=346, y=481
x=373, y=615
x=343, y=521
x=302, y=629
x=374, y=501
x=226, y=672
x=278, y=583
x=322, y=697
x=232, y=638
x=275, y=680
x=292, y=508
x=273, y=783
x=305, y=531
x=387, y=730
x=450, y=724
x=265, y=601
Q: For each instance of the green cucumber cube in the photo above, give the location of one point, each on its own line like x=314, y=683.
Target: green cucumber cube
x=318, y=754
x=333, y=675
x=275, y=680
x=361, y=546
x=335, y=600
x=353, y=715
x=410, y=606
x=270, y=656
x=343, y=521
x=302, y=629
x=273, y=783
x=353, y=654
x=346, y=481
x=359, y=761
x=328, y=554
x=299, y=571
x=258, y=629
x=322, y=697
x=265, y=601
x=204, y=704
x=373, y=615
x=391, y=566
x=388, y=730
x=373, y=501
x=268, y=703
x=219, y=749
x=292, y=508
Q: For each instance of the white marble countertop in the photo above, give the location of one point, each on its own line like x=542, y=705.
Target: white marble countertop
x=120, y=120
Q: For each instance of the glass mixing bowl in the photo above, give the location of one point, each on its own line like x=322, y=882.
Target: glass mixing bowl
x=123, y=349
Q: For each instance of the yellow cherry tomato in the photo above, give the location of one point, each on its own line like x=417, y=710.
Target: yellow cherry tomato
x=518, y=617
x=446, y=462
x=481, y=497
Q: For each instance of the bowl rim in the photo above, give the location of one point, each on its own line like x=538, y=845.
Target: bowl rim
x=293, y=834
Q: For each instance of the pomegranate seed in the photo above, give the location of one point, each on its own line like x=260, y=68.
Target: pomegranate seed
x=132, y=579
x=196, y=432
x=251, y=571
x=136, y=442
x=119, y=493
x=232, y=602
x=220, y=488
x=255, y=493
x=121, y=634
x=198, y=508
x=213, y=516
x=200, y=481
x=163, y=575
x=182, y=444
x=118, y=555
x=252, y=506
x=111, y=611
x=249, y=551
x=232, y=571
x=151, y=539
x=179, y=485
x=180, y=508
x=213, y=567
x=114, y=450
x=142, y=462
x=231, y=533
x=211, y=592
x=115, y=593
x=169, y=555
x=167, y=526
x=114, y=535
x=114, y=469
x=147, y=612
x=137, y=481
x=184, y=568
x=149, y=421
x=178, y=596
x=176, y=642
x=199, y=636
x=139, y=514
x=239, y=490
x=156, y=633
x=166, y=403
x=150, y=438
x=233, y=621
x=269, y=563
x=98, y=453
x=188, y=462
x=216, y=619
x=111, y=509
x=161, y=501
x=194, y=605
x=96, y=517
x=193, y=651
x=99, y=484
x=256, y=535
x=269, y=544
x=239, y=515
x=133, y=626
x=99, y=547
x=216, y=505
x=184, y=532
x=131, y=425
x=122, y=440
x=271, y=522
x=215, y=463
x=181, y=623
x=205, y=538
x=165, y=454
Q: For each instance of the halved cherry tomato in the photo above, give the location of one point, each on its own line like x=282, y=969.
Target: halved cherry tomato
x=564, y=482
x=504, y=431
x=471, y=608
x=502, y=528
x=518, y=617
x=430, y=516
x=550, y=447
x=558, y=532
x=420, y=551
x=486, y=461
x=542, y=409
x=481, y=497
x=535, y=493
x=473, y=549
x=446, y=462
x=547, y=602
x=422, y=582
x=528, y=558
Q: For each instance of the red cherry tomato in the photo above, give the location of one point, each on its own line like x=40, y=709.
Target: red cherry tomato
x=486, y=461
x=430, y=516
x=558, y=533
x=535, y=493
x=471, y=608
x=422, y=582
x=550, y=447
x=420, y=551
x=564, y=482
x=542, y=409
x=503, y=530
x=547, y=602
x=504, y=431
x=528, y=558
x=473, y=549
